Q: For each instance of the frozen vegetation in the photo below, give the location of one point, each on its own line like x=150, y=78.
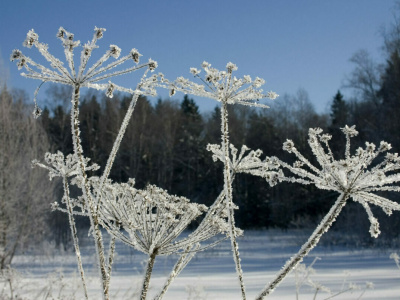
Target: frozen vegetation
x=152, y=222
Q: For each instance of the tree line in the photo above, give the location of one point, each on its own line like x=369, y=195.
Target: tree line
x=166, y=144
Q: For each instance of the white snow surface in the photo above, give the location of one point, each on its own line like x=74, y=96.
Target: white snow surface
x=211, y=274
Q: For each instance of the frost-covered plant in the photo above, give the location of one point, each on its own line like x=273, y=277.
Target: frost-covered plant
x=58, y=166
x=151, y=221
x=303, y=275
x=9, y=278
x=354, y=177
x=396, y=259
x=91, y=78
x=225, y=88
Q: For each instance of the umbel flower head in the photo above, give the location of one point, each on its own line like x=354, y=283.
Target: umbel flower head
x=222, y=86
x=248, y=161
x=151, y=220
x=354, y=176
x=81, y=77
x=66, y=167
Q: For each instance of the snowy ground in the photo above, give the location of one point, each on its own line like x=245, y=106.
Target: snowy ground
x=211, y=275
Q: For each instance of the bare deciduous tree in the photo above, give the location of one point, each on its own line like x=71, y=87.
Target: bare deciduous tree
x=22, y=204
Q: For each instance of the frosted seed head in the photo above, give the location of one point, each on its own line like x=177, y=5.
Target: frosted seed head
x=37, y=111
x=350, y=131
x=115, y=51
x=16, y=54
x=246, y=79
x=194, y=71
x=135, y=55
x=152, y=65
x=258, y=82
x=54, y=206
x=70, y=36
x=231, y=67
x=172, y=92
x=359, y=151
x=315, y=131
x=325, y=138
x=370, y=147
x=99, y=32
x=384, y=146
x=288, y=146
x=272, y=95
x=21, y=63
x=31, y=38
x=374, y=228
x=110, y=90
x=205, y=65
x=61, y=33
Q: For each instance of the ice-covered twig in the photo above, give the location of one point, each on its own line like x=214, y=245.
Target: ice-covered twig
x=74, y=235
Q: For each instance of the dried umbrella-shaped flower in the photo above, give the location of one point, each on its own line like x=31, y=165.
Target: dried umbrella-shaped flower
x=353, y=177
x=91, y=78
x=217, y=214
x=223, y=87
x=151, y=221
x=58, y=166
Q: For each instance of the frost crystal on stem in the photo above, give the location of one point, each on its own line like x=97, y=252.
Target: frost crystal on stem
x=354, y=177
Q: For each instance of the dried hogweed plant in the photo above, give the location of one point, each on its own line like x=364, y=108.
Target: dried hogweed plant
x=92, y=78
x=225, y=88
x=354, y=177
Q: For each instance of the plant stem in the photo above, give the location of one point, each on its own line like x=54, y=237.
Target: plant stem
x=149, y=269
x=175, y=272
x=111, y=255
x=228, y=196
x=306, y=248
x=94, y=220
x=116, y=145
x=74, y=235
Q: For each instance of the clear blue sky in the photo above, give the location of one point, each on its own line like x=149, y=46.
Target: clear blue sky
x=292, y=44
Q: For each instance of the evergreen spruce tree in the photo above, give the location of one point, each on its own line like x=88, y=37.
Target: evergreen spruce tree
x=339, y=118
x=190, y=149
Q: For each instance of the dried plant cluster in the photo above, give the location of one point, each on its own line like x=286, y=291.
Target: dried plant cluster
x=151, y=220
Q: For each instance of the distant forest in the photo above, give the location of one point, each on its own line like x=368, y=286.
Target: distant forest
x=165, y=143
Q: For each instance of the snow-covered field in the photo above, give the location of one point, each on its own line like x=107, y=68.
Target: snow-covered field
x=211, y=274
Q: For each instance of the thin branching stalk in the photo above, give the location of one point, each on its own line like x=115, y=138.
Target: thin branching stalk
x=306, y=248
x=74, y=235
x=228, y=196
x=315, y=294
x=183, y=260
x=111, y=254
x=108, y=167
x=86, y=193
x=147, y=276
x=118, y=141
x=174, y=273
